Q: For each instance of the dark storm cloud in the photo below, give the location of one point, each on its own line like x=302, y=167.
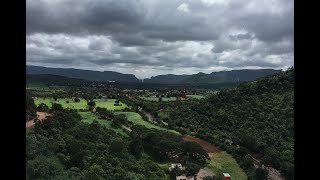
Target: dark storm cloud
x=82, y=16
x=149, y=37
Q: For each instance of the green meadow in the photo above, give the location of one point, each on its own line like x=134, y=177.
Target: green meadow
x=109, y=104
x=136, y=119
x=89, y=117
x=222, y=162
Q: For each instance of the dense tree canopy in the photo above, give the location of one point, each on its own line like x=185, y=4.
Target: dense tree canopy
x=255, y=115
x=62, y=147
x=31, y=108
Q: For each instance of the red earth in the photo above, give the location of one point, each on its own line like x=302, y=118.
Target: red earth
x=209, y=148
x=40, y=115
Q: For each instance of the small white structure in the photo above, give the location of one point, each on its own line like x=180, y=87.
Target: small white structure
x=226, y=176
x=174, y=165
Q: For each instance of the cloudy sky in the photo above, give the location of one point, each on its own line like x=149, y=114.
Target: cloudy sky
x=152, y=37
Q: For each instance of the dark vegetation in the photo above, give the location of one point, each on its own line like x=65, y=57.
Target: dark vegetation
x=257, y=115
x=83, y=74
x=253, y=118
x=212, y=78
x=31, y=108
x=64, y=148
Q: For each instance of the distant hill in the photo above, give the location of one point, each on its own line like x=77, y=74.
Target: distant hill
x=167, y=79
x=83, y=74
x=233, y=76
x=49, y=79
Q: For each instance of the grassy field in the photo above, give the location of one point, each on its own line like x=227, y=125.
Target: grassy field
x=154, y=98
x=137, y=120
x=72, y=105
x=109, y=104
x=195, y=96
x=89, y=117
x=222, y=162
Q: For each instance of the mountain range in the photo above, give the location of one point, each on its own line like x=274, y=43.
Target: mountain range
x=83, y=74
x=232, y=76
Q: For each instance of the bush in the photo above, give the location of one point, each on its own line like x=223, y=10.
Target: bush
x=91, y=103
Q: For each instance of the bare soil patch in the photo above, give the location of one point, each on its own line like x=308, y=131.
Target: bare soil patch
x=209, y=148
x=203, y=173
x=40, y=115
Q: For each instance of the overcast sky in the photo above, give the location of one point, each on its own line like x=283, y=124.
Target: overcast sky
x=152, y=37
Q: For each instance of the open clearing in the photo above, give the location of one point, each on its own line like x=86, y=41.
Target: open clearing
x=195, y=96
x=209, y=148
x=222, y=162
x=72, y=105
x=109, y=104
x=154, y=98
x=40, y=115
x=137, y=120
x=89, y=117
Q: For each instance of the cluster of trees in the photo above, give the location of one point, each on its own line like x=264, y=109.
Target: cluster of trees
x=166, y=146
x=31, y=108
x=62, y=147
x=257, y=115
x=117, y=120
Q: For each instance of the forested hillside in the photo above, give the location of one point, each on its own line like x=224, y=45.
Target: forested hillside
x=83, y=74
x=31, y=108
x=233, y=76
x=63, y=147
x=257, y=115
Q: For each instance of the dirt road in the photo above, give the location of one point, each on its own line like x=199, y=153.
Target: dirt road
x=40, y=115
x=209, y=148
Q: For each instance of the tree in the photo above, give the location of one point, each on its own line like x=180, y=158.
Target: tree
x=31, y=108
x=176, y=171
x=192, y=169
x=76, y=100
x=67, y=102
x=43, y=107
x=91, y=103
x=116, y=146
x=136, y=147
x=95, y=172
x=56, y=107
x=43, y=167
x=261, y=174
x=160, y=99
x=195, y=153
